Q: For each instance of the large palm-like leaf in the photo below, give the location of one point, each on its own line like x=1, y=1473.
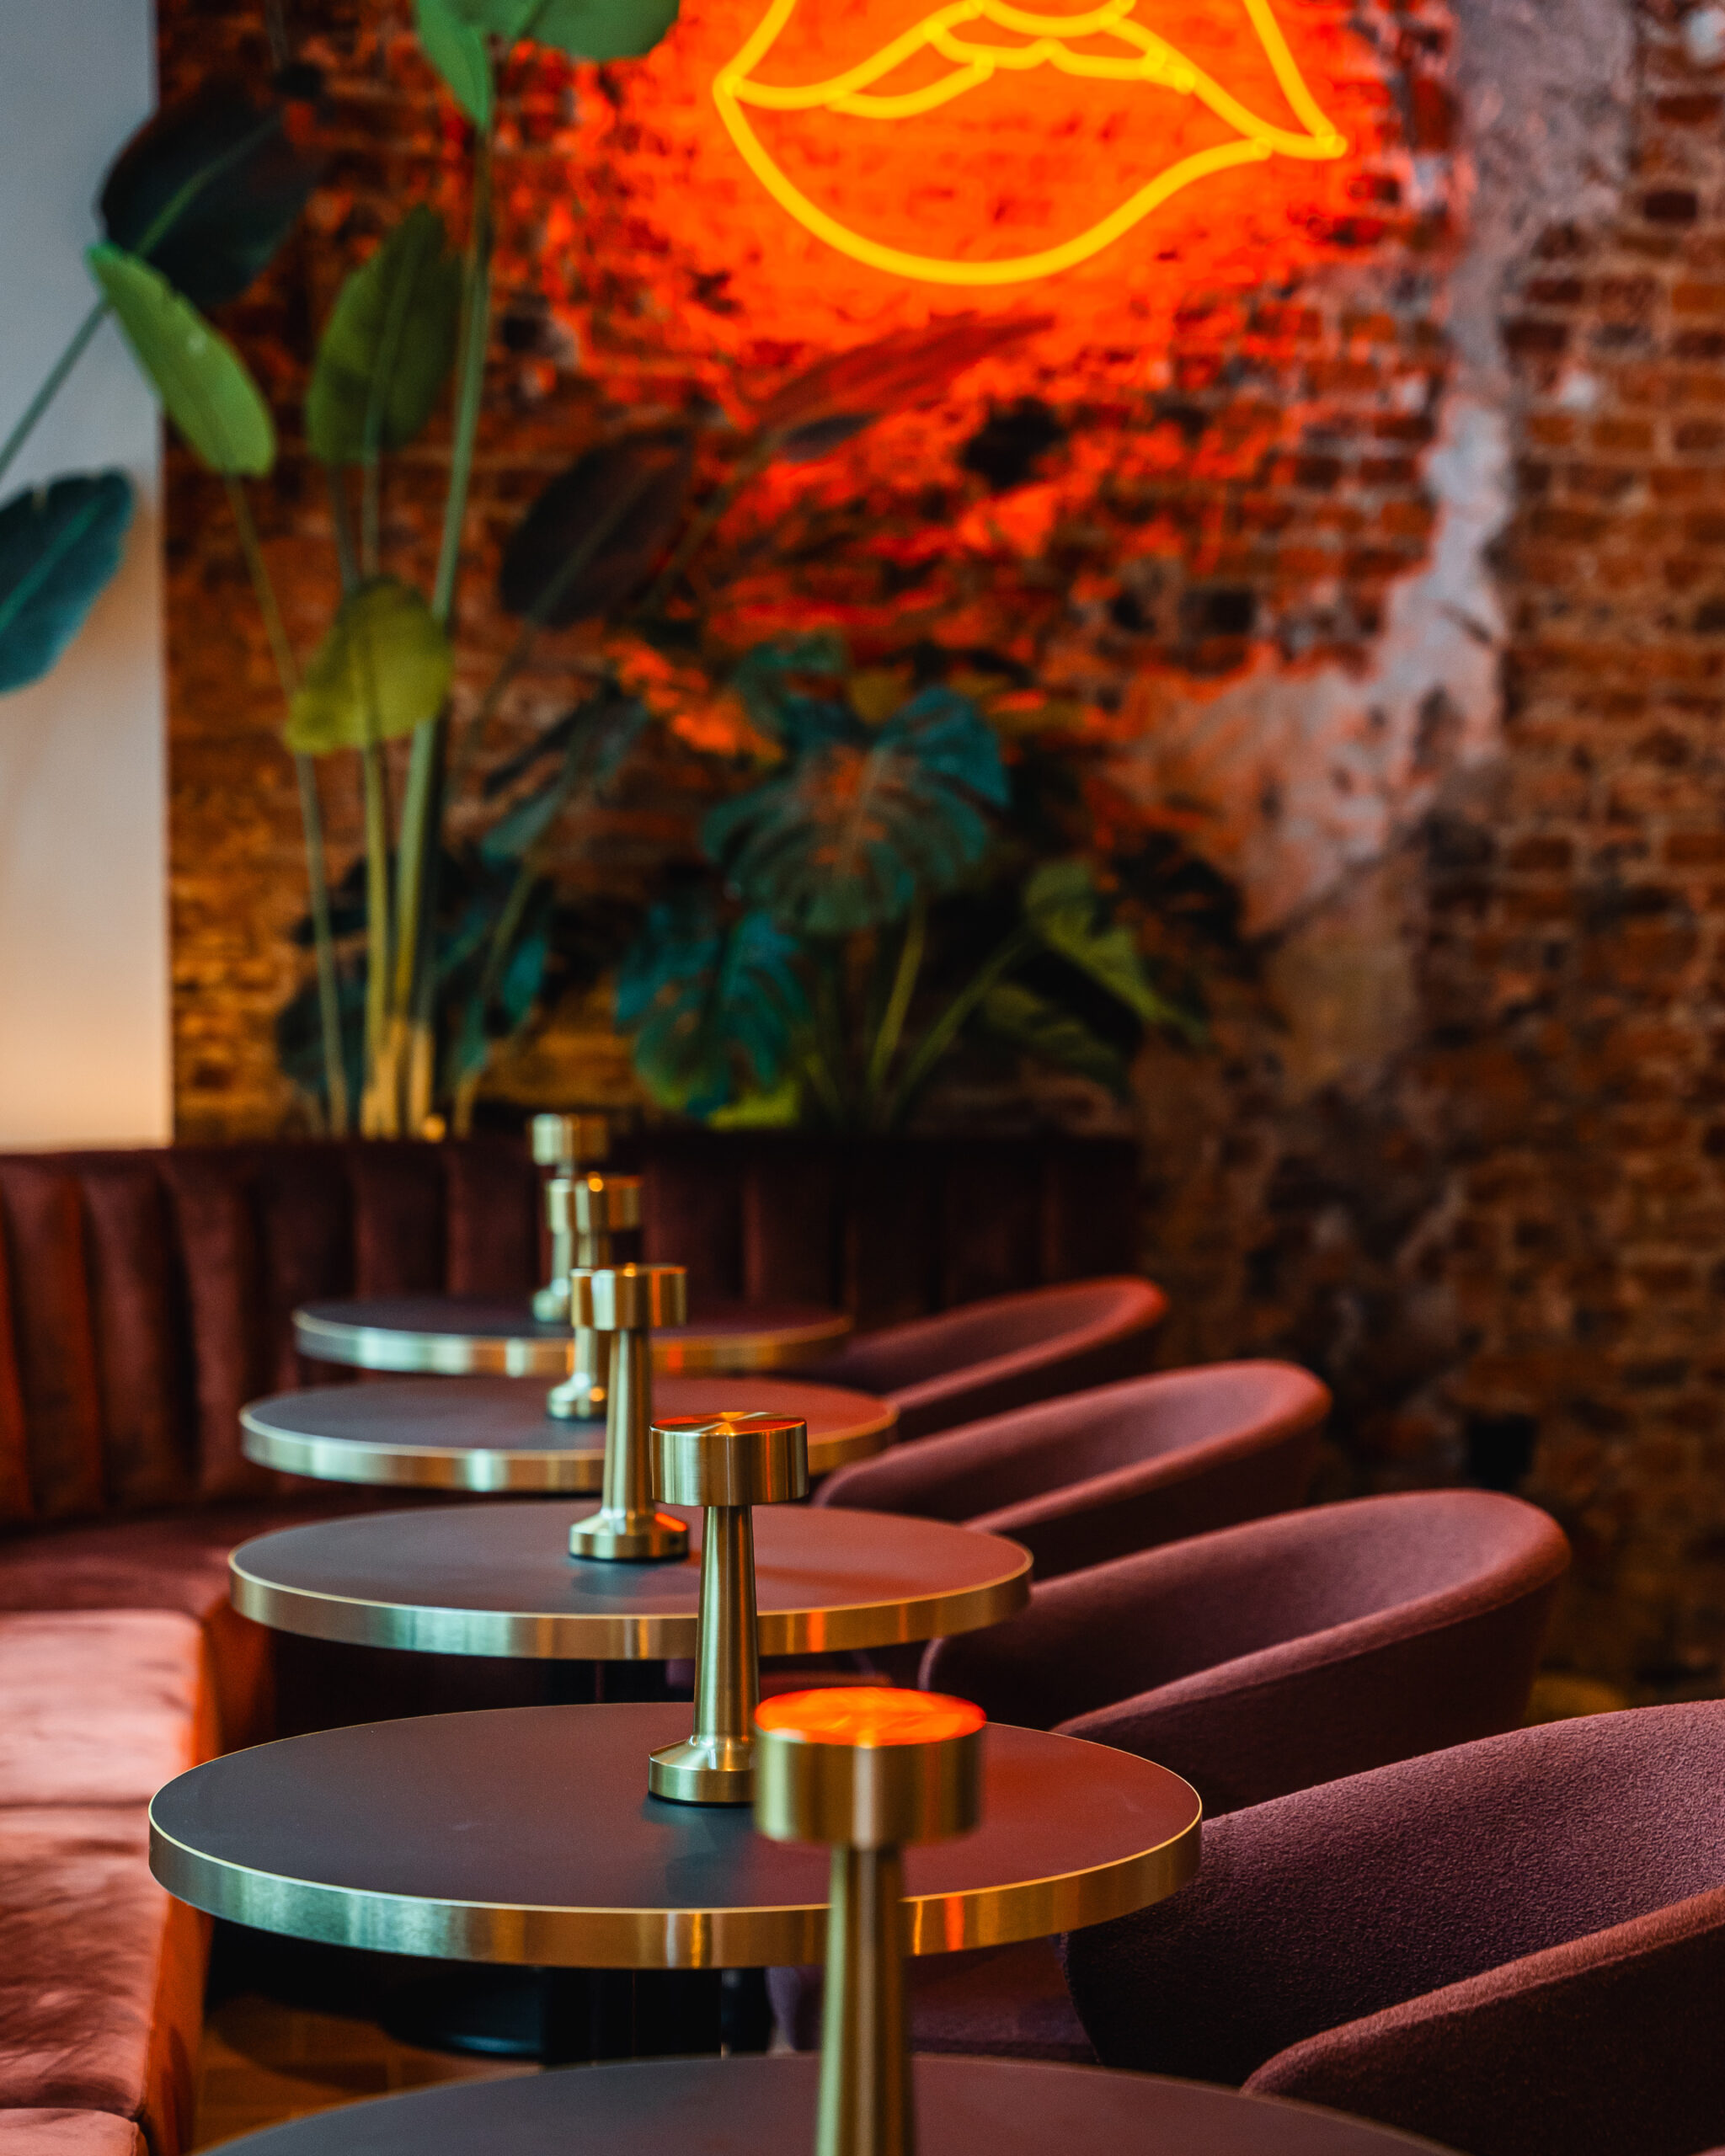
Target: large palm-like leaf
x=208, y=189
x=382, y=669
x=388, y=346
x=59, y=546
x=593, y=532
x=205, y=386
x=866, y=821
x=715, y=1010
x=1070, y=915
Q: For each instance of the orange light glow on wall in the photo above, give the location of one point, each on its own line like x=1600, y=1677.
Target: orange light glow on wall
x=1138, y=105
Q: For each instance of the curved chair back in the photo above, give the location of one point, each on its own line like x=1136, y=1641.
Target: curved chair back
x=1288, y=1651
x=1002, y=1353
x=1513, y=1946
x=1099, y=1475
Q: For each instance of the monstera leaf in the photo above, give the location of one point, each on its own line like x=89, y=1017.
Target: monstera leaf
x=388, y=347
x=865, y=820
x=714, y=1010
x=767, y=680
x=1018, y=1016
x=202, y=382
x=596, y=529
x=383, y=668
x=1071, y=917
x=59, y=545
x=208, y=189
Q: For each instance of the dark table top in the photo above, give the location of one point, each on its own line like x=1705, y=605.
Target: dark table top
x=477, y=1336
x=498, y=1579
x=493, y=1433
x=526, y=1834
x=764, y=2107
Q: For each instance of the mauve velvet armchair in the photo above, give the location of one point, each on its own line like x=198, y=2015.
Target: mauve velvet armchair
x=1264, y=1658
x=1516, y=1947
x=1100, y=1474
x=1003, y=1351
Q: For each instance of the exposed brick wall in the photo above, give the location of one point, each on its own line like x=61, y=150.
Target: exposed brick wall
x=1465, y=1152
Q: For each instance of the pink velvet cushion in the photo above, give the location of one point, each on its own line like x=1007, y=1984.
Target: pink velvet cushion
x=100, y=1706
x=101, y=1975
x=33, y=2133
x=1286, y=1652
x=1002, y=1353
x=1513, y=1946
x=1097, y=1475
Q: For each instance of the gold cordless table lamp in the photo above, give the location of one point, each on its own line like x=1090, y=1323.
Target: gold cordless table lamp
x=727, y=1462
x=869, y=1770
x=626, y=1302
x=588, y=1210
x=564, y=1144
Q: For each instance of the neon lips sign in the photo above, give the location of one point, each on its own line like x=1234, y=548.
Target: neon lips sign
x=974, y=49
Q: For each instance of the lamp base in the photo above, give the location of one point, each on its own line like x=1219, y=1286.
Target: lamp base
x=704, y=1770
x=629, y=1538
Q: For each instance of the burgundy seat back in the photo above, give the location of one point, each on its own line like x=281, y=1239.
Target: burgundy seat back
x=1099, y=1475
x=1004, y=1352
x=1289, y=1652
x=1513, y=1946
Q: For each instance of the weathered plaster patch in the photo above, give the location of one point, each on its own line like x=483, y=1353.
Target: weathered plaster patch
x=1312, y=773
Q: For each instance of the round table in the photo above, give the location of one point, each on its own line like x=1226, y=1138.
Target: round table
x=493, y=1433
x=766, y=2107
x=525, y=1835
x=470, y=1336
x=498, y=1579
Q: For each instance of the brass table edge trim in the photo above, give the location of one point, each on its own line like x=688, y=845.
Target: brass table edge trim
x=377, y=1462
x=500, y=1633
x=405, y=1353
x=531, y=1933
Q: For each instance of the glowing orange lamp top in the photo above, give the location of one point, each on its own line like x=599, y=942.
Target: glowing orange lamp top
x=870, y=1715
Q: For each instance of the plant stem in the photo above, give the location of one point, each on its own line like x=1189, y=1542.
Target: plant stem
x=341, y=518
x=943, y=1032
x=311, y=815
x=52, y=383
x=754, y=461
x=898, y=1006
x=414, y=998
x=520, y=650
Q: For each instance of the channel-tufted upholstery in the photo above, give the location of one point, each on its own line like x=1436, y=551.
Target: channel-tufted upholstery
x=1515, y=1946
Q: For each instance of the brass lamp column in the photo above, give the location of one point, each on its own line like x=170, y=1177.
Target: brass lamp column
x=626, y=1302
x=869, y=1770
x=727, y=1462
x=588, y=1210
x=562, y=1144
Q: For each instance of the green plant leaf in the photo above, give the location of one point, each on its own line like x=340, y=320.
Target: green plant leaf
x=457, y=50
x=865, y=820
x=584, y=29
x=388, y=346
x=1071, y=917
x=715, y=1010
x=209, y=186
x=383, y=670
x=202, y=382
x=59, y=545
x=1018, y=1016
x=595, y=531
x=597, y=741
